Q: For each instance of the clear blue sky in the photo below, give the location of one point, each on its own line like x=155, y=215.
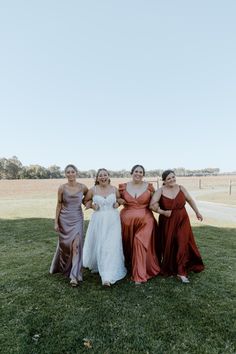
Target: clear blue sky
x=113, y=83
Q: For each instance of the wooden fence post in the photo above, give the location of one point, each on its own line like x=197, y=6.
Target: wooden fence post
x=230, y=187
x=200, y=183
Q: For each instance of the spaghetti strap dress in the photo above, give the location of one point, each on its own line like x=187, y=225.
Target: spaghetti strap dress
x=180, y=253
x=71, y=230
x=103, y=251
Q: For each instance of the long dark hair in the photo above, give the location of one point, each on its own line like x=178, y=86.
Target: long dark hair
x=99, y=170
x=134, y=168
x=166, y=173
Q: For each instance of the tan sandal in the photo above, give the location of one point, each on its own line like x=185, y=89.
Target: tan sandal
x=74, y=283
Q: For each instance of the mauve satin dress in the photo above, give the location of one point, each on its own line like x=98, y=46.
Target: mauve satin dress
x=179, y=250
x=139, y=231
x=71, y=229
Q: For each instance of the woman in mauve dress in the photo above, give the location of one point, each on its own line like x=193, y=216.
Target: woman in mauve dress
x=69, y=225
x=138, y=227
x=178, y=248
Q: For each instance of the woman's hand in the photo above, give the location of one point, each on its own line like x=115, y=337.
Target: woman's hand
x=95, y=206
x=56, y=227
x=122, y=201
x=167, y=213
x=199, y=216
x=88, y=205
x=116, y=205
x=154, y=207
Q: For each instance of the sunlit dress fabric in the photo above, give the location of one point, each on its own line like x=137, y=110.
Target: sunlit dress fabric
x=139, y=233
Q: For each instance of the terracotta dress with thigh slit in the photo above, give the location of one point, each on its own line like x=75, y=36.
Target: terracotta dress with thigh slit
x=71, y=234
x=139, y=235
x=179, y=250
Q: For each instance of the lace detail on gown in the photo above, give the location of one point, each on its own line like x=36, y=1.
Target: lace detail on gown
x=103, y=251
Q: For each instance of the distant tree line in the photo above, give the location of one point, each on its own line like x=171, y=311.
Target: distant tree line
x=12, y=168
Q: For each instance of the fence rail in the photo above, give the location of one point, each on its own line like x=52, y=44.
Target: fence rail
x=198, y=183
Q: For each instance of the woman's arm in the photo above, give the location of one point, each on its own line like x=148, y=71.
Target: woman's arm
x=117, y=204
x=119, y=199
x=192, y=203
x=58, y=207
x=85, y=191
x=87, y=201
x=154, y=204
x=121, y=189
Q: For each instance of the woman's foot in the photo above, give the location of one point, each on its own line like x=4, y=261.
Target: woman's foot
x=183, y=278
x=74, y=283
x=106, y=283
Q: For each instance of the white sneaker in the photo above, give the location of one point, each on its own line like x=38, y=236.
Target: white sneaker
x=183, y=278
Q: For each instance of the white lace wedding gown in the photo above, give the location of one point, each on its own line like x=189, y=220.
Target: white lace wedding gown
x=103, y=250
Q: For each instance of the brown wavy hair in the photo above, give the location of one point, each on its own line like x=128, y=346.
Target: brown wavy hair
x=166, y=173
x=99, y=170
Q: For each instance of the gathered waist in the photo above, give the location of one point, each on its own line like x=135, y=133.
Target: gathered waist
x=178, y=208
x=134, y=208
x=75, y=209
x=110, y=209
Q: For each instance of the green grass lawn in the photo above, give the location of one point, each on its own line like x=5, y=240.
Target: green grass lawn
x=41, y=313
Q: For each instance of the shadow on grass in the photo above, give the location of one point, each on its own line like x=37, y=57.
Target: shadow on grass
x=41, y=313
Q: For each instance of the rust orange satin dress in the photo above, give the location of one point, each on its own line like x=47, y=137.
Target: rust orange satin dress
x=179, y=250
x=139, y=235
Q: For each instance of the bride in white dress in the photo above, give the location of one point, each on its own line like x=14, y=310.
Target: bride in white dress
x=103, y=250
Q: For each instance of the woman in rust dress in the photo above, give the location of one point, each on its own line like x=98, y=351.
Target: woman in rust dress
x=179, y=250
x=138, y=227
x=69, y=225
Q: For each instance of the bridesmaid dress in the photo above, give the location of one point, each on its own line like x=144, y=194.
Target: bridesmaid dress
x=71, y=230
x=139, y=235
x=179, y=250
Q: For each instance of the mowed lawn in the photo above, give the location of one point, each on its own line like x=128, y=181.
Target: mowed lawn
x=41, y=313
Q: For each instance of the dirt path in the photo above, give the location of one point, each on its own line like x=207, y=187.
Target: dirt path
x=216, y=212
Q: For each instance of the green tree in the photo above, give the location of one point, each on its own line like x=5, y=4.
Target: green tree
x=55, y=171
x=10, y=168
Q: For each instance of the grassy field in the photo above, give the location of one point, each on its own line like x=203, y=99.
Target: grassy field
x=41, y=313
